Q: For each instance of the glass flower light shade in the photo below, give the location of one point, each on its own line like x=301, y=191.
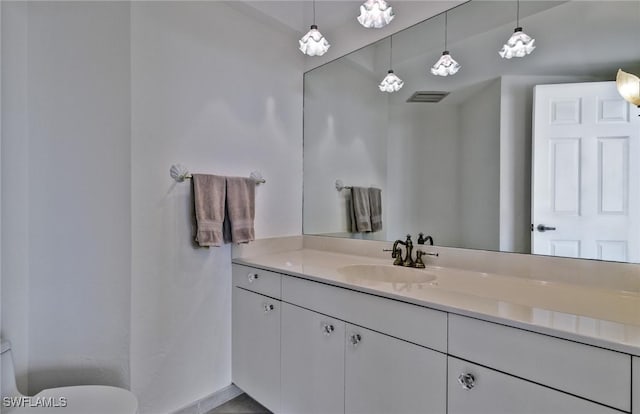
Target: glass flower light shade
x=391, y=83
x=445, y=66
x=628, y=87
x=314, y=43
x=519, y=45
x=375, y=14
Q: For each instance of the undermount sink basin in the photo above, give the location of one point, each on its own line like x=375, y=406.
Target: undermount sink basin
x=386, y=274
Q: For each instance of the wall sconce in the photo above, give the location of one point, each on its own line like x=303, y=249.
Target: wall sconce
x=629, y=87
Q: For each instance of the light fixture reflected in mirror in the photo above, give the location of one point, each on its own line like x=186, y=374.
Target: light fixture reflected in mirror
x=314, y=43
x=375, y=14
x=446, y=65
x=628, y=87
x=391, y=82
x=519, y=44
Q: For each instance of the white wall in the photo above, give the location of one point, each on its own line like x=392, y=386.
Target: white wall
x=346, y=134
x=217, y=92
x=102, y=284
x=424, y=139
x=14, y=162
x=479, y=120
x=71, y=197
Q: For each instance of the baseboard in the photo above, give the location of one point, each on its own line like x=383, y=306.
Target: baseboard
x=208, y=403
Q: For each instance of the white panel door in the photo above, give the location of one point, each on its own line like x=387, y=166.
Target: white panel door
x=255, y=356
x=586, y=173
x=312, y=362
x=491, y=392
x=385, y=375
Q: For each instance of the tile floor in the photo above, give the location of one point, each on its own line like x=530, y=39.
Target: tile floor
x=242, y=404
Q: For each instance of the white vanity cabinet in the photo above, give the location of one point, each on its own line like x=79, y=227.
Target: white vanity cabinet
x=301, y=346
x=255, y=351
x=312, y=362
x=486, y=391
x=386, y=375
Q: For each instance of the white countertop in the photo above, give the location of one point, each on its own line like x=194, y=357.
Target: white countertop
x=591, y=315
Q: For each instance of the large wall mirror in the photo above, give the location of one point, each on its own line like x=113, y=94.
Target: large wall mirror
x=538, y=154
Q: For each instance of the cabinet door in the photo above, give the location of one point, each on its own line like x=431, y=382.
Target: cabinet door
x=492, y=392
x=386, y=375
x=635, y=392
x=312, y=362
x=256, y=347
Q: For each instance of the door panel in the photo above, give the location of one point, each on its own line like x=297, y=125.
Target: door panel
x=386, y=375
x=256, y=347
x=312, y=362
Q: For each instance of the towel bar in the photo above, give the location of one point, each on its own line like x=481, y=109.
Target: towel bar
x=340, y=186
x=179, y=173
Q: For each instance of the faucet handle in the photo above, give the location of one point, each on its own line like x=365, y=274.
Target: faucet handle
x=394, y=252
x=421, y=253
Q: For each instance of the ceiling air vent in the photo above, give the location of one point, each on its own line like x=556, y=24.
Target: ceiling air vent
x=428, y=96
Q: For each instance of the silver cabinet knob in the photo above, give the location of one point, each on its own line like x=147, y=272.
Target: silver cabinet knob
x=467, y=381
x=252, y=277
x=355, y=339
x=268, y=307
x=327, y=329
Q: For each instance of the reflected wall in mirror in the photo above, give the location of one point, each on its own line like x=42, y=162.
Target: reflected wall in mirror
x=461, y=169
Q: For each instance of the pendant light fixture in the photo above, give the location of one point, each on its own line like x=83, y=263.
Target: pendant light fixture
x=628, y=87
x=519, y=44
x=391, y=83
x=314, y=43
x=446, y=65
x=375, y=14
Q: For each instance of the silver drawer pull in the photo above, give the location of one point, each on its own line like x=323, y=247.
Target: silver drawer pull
x=355, y=339
x=252, y=277
x=327, y=329
x=467, y=381
x=268, y=307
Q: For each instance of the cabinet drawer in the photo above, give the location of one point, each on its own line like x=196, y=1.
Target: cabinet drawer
x=586, y=371
x=257, y=280
x=493, y=392
x=426, y=327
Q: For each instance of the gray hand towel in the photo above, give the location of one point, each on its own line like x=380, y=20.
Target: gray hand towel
x=241, y=210
x=375, y=205
x=209, y=197
x=361, y=212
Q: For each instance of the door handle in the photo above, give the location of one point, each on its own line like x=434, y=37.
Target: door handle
x=542, y=228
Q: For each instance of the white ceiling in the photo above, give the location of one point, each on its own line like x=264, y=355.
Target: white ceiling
x=298, y=15
x=336, y=19
x=586, y=39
